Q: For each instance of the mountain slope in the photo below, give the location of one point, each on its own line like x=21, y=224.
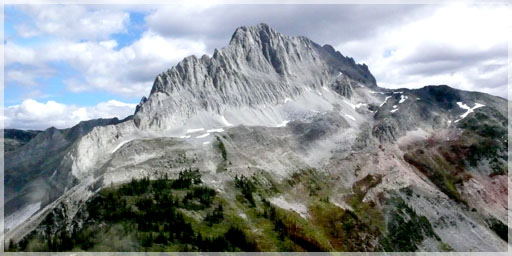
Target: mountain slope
x=279, y=122
x=31, y=169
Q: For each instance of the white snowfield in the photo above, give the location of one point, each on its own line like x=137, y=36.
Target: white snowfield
x=469, y=110
x=394, y=110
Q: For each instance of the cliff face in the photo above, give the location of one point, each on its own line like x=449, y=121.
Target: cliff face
x=259, y=67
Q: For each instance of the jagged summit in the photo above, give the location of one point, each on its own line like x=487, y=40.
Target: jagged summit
x=243, y=35
x=260, y=66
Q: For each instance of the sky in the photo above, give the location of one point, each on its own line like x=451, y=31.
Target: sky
x=68, y=63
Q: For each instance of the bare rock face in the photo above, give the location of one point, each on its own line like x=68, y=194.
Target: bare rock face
x=343, y=87
x=260, y=66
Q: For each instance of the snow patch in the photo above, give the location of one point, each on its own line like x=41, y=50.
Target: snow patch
x=351, y=117
x=120, y=145
x=205, y=143
x=394, y=110
x=325, y=88
x=283, y=124
x=215, y=130
x=185, y=137
x=395, y=106
x=339, y=74
x=402, y=99
x=225, y=121
x=203, y=135
x=287, y=99
x=469, y=110
x=354, y=106
x=385, y=100
x=194, y=130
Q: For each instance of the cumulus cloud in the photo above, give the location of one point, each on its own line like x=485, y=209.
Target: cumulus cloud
x=34, y=115
x=72, y=21
x=404, y=45
x=458, y=45
x=322, y=23
x=464, y=46
x=22, y=77
x=129, y=71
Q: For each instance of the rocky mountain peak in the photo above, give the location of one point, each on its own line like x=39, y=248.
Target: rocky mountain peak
x=262, y=33
x=259, y=67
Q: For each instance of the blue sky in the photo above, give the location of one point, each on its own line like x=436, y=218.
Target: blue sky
x=67, y=63
x=54, y=84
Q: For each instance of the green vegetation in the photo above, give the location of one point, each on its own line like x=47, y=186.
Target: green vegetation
x=439, y=170
x=287, y=228
x=247, y=188
x=446, y=247
x=406, y=229
x=222, y=149
x=486, y=138
x=182, y=214
x=499, y=228
x=145, y=215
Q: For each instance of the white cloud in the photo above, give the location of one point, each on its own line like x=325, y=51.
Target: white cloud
x=14, y=53
x=27, y=75
x=458, y=45
x=72, y=21
x=129, y=71
x=31, y=114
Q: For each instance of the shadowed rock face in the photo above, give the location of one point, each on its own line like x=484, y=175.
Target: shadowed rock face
x=14, y=139
x=39, y=159
x=269, y=106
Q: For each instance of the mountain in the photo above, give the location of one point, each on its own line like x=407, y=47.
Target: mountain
x=14, y=139
x=31, y=166
x=274, y=143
